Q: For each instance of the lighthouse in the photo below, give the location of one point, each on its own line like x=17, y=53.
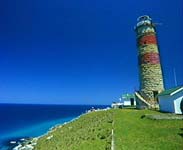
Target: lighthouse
x=150, y=71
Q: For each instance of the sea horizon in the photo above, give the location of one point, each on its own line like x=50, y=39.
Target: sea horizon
x=52, y=104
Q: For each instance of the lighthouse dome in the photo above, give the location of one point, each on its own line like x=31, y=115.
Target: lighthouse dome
x=144, y=20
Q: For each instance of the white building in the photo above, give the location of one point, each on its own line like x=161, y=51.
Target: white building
x=171, y=100
x=117, y=105
x=128, y=100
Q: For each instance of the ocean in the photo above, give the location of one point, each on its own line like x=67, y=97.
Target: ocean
x=20, y=121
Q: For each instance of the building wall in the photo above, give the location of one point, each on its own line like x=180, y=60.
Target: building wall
x=128, y=103
x=166, y=104
x=177, y=101
x=171, y=103
x=177, y=105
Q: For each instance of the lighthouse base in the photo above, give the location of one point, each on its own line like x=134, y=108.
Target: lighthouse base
x=142, y=103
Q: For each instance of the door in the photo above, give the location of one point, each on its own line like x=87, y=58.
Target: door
x=132, y=101
x=155, y=94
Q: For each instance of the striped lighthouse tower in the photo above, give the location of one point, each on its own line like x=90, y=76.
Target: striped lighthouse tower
x=150, y=72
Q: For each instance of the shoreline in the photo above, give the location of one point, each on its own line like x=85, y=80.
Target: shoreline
x=29, y=143
x=14, y=139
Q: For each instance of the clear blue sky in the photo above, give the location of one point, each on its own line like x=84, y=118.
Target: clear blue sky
x=81, y=51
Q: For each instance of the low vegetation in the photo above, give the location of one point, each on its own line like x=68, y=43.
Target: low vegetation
x=131, y=131
x=134, y=131
x=90, y=132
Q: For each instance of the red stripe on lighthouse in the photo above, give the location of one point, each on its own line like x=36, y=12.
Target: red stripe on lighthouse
x=150, y=58
x=148, y=39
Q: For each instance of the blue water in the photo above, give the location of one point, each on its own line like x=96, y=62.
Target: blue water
x=24, y=120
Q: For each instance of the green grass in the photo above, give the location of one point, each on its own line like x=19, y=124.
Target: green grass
x=132, y=132
x=93, y=132
x=90, y=132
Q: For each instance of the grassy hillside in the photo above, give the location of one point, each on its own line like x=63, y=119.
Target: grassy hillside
x=131, y=131
x=90, y=132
